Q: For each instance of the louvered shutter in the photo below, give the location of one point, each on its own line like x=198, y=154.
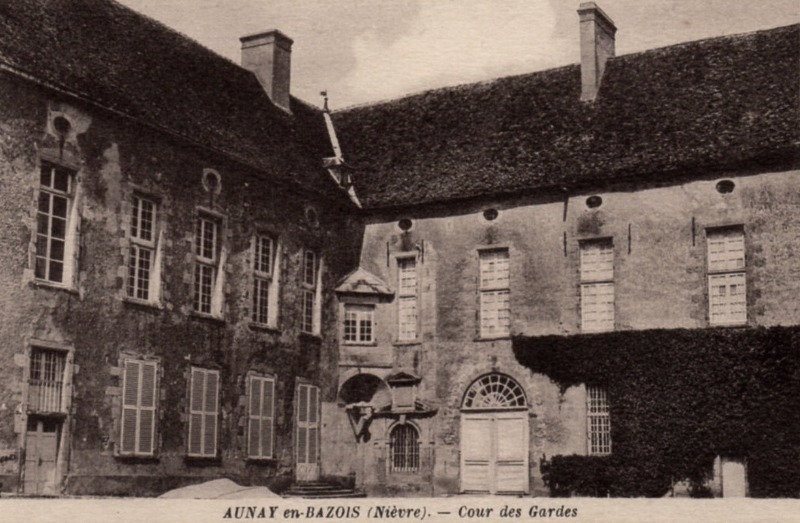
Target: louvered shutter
x=130, y=401
x=302, y=429
x=196, y=413
x=254, y=418
x=210, y=414
x=147, y=409
x=267, y=417
x=313, y=430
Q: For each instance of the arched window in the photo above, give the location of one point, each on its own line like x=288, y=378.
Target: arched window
x=404, y=448
x=494, y=391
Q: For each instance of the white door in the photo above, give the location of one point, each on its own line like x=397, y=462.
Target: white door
x=41, y=451
x=734, y=479
x=307, y=432
x=494, y=452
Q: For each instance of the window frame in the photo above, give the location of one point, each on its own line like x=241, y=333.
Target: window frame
x=310, y=289
x=154, y=246
x=71, y=219
x=208, y=297
x=59, y=366
x=598, y=421
x=203, y=412
x=491, y=294
x=138, y=408
x=597, y=282
x=261, y=418
x=364, y=315
x=407, y=322
x=718, y=270
x=411, y=449
x=265, y=283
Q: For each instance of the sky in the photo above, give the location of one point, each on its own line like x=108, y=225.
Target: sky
x=363, y=51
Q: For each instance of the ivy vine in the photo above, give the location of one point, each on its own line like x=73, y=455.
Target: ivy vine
x=678, y=399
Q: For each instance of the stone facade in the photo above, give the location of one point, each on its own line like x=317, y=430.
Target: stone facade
x=660, y=279
x=95, y=322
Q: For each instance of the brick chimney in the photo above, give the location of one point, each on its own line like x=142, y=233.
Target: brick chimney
x=269, y=56
x=597, y=46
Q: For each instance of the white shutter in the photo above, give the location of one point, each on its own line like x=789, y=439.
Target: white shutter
x=130, y=401
x=147, y=408
x=155, y=270
x=261, y=415
x=218, y=296
x=274, y=287
x=196, y=412
x=210, y=413
x=72, y=239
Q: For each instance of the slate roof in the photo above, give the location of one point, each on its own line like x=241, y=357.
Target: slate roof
x=115, y=57
x=681, y=110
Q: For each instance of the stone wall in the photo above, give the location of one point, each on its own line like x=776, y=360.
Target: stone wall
x=659, y=239
x=114, y=157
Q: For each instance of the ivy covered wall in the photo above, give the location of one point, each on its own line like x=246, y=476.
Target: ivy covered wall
x=680, y=397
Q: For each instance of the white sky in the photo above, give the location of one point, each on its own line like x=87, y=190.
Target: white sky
x=367, y=50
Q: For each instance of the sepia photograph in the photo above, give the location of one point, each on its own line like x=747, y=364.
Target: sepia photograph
x=447, y=260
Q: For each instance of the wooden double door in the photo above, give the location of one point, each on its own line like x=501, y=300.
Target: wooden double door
x=494, y=452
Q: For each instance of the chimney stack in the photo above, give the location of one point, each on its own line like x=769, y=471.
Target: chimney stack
x=269, y=56
x=597, y=46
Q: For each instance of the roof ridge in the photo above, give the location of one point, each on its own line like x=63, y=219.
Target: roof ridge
x=627, y=56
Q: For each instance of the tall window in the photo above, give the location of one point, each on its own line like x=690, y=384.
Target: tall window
x=139, y=393
x=264, y=281
x=599, y=421
x=46, y=380
x=404, y=448
x=309, y=320
x=261, y=417
x=358, y=323
x=495, y=316
x=143, y=264
x=203, y=412
x=55, y=224
x=597, y=285
x=727, y=283
x=207, y=280
x=407, y=299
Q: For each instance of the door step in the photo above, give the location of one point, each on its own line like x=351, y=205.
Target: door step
x=321, y=490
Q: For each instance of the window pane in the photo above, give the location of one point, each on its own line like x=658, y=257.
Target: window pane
x=597, y=261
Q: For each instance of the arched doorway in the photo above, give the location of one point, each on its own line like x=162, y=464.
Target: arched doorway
x=494, y=436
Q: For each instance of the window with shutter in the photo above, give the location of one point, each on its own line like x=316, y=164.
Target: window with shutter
x=203, y=412
x=597, y=285
x=265, y=280
x=261, y=408
x=495, y=310
x=139, y=400
x=727, y=281
x=209, y=269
